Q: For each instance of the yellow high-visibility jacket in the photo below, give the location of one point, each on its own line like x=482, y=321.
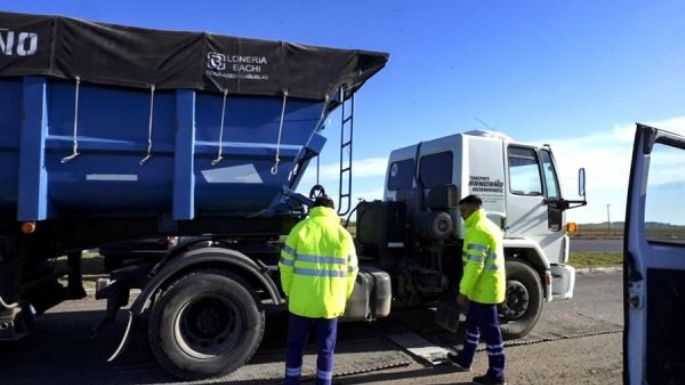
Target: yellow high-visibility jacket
x=318, y=266
x=484, y=279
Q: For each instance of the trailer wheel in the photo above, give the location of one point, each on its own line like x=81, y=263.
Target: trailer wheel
x=523, y=303
x=207, y=323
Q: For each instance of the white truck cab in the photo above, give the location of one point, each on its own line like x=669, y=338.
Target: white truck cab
x=519, y=186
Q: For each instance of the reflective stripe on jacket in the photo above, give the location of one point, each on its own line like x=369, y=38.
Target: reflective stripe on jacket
x=484, y=279
x=318, y=266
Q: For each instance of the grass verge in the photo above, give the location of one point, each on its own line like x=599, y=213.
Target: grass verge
x=595, y=259
x=91, y=263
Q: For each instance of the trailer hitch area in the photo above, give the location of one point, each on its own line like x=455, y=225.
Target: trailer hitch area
x=102, y=287
x=297, y=197
x=117, y=295
x=117, y=291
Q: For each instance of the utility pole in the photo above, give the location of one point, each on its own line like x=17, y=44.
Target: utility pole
x=608, y=218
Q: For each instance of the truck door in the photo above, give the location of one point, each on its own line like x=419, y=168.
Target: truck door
x=654, y=260
x=528, y=193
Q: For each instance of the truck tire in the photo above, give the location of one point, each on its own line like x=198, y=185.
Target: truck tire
x=523, y=303
x=206, y=324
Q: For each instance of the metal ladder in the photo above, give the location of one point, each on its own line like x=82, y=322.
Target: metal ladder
x=346, y=127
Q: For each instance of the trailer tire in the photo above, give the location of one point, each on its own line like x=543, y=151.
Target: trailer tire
x=523, y=303
x=207, y=323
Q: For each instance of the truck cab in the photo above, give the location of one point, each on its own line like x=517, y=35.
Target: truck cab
x=519, y=186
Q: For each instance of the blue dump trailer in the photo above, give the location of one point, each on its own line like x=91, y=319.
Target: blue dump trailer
x=111, y=132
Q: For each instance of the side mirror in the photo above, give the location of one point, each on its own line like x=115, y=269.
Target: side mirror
x=572, y=204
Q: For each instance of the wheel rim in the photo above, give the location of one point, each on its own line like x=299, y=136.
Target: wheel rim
x=517, y=301
x=208, y=326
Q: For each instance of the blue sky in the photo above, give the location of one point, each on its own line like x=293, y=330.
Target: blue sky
x=574, y=74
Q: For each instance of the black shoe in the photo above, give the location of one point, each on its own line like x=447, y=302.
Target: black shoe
x=452, y=357
x=487, y=380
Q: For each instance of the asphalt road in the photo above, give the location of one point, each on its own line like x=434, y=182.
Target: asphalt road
x=575, y=342
x=596, y=245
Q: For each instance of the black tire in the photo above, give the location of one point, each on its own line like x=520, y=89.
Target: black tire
x=523, y=303
x=206, y=324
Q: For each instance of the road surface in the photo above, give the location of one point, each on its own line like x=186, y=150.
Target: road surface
x=575, y=342
x=599, y=245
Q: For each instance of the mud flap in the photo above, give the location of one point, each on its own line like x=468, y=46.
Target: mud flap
x=447, y=314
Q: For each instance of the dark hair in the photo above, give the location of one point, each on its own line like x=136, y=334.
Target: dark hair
x=324, y=201
x=471, y=200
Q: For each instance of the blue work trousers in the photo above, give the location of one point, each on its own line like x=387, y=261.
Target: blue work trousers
x=483, y=319
x=326, y=334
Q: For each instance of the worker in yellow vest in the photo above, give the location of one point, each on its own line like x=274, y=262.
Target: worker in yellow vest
x=318, y=269
x=483, y=285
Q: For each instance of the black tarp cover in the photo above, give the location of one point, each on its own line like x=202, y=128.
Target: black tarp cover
x=118, y=55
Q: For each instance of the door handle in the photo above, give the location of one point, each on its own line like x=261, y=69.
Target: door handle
x=636, y=295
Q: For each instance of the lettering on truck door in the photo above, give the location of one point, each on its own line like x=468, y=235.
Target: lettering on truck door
x=486, y=175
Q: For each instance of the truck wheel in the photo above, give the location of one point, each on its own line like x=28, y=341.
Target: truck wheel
x=207, y=323
x=523, y=303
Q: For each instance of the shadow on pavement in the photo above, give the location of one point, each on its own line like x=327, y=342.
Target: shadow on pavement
x=403, y=375
x=60, y=351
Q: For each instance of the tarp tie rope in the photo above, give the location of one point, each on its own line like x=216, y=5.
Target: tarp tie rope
x=149, y=127
x=219, y=156
x=323, y=113
x=274, y=169
x=75, y=152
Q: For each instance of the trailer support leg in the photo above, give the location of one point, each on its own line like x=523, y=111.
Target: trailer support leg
x=75, y=283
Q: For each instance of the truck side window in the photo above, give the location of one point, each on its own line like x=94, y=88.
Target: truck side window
x=524, y=173
x=401, y=175
x=664, y=204
x=436, y=169
x=550, y=175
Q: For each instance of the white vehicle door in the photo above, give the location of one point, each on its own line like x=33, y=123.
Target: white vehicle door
x=532, y=184
x=654, y=263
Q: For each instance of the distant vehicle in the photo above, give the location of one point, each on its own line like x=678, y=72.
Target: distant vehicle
x=654, y=263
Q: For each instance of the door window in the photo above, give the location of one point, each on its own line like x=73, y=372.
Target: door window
x=524, y=172
x=664, y=203
x=555, y=216
x=550, y=176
